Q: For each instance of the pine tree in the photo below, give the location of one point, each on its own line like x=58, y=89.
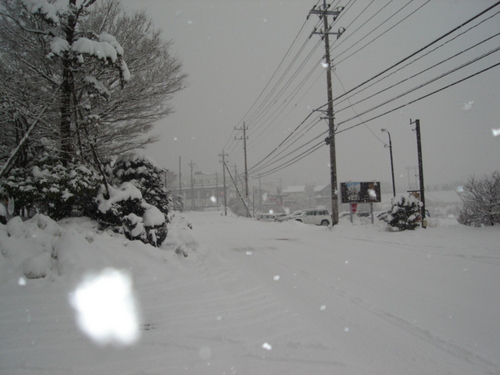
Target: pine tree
x=405, y=212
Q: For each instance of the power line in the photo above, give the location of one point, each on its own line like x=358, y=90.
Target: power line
x=416, y=52
x=416, y=74
x=419, y=58
x=425, y=84
x=423, y=97
x=393, y=14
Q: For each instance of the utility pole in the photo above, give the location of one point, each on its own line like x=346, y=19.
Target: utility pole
x=392, y=162
x=238, y=191
x=217, y=190
x=191, y=164
x=244, y=138
x=420, y=169
x=180, y=178
x=224, y=180
x=323, y=13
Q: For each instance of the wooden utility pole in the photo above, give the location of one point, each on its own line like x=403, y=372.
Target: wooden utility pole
x=224, y=180
x=420, y=169
x=238, y=191
x=323, y=13
x=244, y=138
x=193, y=205
x=180, y=178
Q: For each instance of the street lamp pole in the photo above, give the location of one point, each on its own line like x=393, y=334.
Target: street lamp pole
x=392, y=162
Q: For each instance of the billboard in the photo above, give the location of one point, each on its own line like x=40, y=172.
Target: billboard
x=360, y=192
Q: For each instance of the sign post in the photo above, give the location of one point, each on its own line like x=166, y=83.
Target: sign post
x=360, y=192
x=354, y=208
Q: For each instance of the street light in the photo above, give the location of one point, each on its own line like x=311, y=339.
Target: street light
x=392, y=163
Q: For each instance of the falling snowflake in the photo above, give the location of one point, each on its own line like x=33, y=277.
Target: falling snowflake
x=276, y=278
x=468, y=105
x=266, y=346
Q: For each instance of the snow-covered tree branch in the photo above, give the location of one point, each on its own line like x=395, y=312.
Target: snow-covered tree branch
x=115, y=72
x=481, y=200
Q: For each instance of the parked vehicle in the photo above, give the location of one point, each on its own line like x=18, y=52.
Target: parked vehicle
x=313, y=216
x=266, y=217
x=279, y=217
x=292, y=216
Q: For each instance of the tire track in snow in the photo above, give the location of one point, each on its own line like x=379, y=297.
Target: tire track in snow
x=422, y=334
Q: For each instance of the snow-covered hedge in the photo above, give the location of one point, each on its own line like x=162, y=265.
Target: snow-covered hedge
x=51, y=188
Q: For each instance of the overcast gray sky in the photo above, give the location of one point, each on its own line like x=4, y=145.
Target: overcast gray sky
x=231, y=50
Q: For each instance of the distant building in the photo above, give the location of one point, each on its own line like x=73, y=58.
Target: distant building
x=323, y=196
x=204, y=191
x=294, y=196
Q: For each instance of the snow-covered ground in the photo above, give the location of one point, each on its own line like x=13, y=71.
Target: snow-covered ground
x=251, y=297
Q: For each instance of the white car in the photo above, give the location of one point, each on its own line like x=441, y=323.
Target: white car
x=316, y=217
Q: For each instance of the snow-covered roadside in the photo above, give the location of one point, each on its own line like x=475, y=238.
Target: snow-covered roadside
x=254, y=297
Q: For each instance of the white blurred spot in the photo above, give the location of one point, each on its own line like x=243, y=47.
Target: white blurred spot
x=322, y=308
x=372, y=193
x=219, y=318
x=276, y=278
x=213, y=199
x=21, y=281
x=205, y=353
x=266, y=346
x=324, y=64
x=249, y=253
x=496, y=132
x=468, y=105
x=346, y=329
x=106, y=308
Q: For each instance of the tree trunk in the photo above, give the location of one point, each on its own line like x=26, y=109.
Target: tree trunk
x=67, y=88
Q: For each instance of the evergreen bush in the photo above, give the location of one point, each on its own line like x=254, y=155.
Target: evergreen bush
x=405, y=213
x=51, y=188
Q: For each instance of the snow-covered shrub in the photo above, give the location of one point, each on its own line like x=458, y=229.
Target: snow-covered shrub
x=481, y=201
x=145, y=175
x=178, y=203
x=51, y=188
x=126, y=211
x=405, y=212
x=3, y=214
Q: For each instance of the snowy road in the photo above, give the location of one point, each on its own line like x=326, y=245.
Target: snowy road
x=267, y=298
x=348, y=301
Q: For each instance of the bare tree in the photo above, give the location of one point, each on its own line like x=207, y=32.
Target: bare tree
x=481, y=200
x=88, y=52
x=155, y=76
